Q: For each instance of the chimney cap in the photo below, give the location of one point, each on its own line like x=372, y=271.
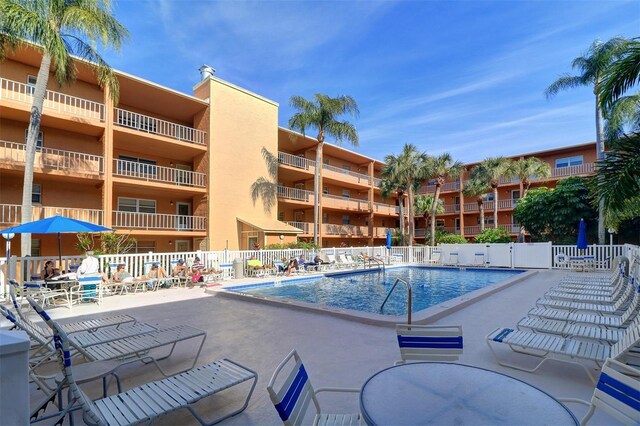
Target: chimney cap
x=206, y=71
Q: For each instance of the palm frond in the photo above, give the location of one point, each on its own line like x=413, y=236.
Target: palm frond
x=566, y=81
x=618, y=175
x=622, y=75
x=624, y=117
x=272, y=163
x=265, y=190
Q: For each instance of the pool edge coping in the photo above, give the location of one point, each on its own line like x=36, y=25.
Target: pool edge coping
x=425, y=316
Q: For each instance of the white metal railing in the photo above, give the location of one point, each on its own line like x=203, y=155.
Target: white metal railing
x=148, y=124
x=150, y=172
x=12, y=213
x=583, y=169
x=52, y=159
x=507, y=204
x=471, y=230
x=295, y=194
x=603, y=255
x=471, y=207
x=452, y=208
x=385, y=208
x=446, y=187
x=380, y=232
x=376, y=181
x=296, y=161
x=135, y=220
x=511, y=228
x=359, y=176
x=305, y=227
x=347, y=230
x=60, y=102
x=346, y=202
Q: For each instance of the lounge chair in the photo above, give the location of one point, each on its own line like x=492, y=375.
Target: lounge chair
x=435, y=257
x=571, y=350
x=589, y=295
x=48, y=296
x=617, y=393
x=616, y=303
x=293, y=396
x=333, y=262
x=342, y=258
x=145, y=403
x=429, y=342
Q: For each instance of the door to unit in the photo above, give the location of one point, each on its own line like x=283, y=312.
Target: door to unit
x=183, y=175
x=183, y=211
x=183, y=246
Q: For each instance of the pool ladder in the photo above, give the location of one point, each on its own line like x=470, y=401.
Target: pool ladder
x=408, y=284
x=377, y=262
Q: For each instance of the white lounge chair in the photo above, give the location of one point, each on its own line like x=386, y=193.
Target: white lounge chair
x=617, y=393
x=292, y=397
x=590, y=295
x=429, y=342
x=145, y=403
x=618, y=302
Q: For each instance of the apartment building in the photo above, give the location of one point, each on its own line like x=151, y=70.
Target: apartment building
x=174, y=170
x=461, y=214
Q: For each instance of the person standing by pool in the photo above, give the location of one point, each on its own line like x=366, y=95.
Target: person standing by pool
x=89, y=275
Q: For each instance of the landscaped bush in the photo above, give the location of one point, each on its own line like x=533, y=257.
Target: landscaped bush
x=305, y=245
x=452, y=239
x=493, y=235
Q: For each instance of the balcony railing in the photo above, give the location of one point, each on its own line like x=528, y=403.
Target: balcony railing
x=376, y=181
x=512, y=228
x=380, y=232
x=386, y=209
x=12, y=213
x=345, y=230
x=147, y=124
x=296, y=161
x=295, y=194
x=452, y=208
x=305, y=227
x=135, y=220
x=583, y=169
x=507, y=204
x=52, y=159
x=153, y=173
x=362, y=178
x=446, y=187
x=337, y=201
x=21, y=92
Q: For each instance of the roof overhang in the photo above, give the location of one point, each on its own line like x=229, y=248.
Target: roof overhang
x=270, y=226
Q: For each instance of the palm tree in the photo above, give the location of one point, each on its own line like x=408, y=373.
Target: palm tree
x=621, y=75
x=388, y=189
x=267, y=188
x=407, y=169
x=592, y=66
x=480, y=189
x=424, y=206
x=440, y=168
x=59, y=29
x=526, y=169
x=489, y=171
x=322, y=114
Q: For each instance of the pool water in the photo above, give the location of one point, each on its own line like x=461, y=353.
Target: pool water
x=366, y=291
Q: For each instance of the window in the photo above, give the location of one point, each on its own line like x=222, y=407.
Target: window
x=346, y=193
x=136, y=166
x=457, y=204
x=36, y=193
x=488, y=220
x=439, y=223
x=299, y=185
x=136, y=206
x=298, y=216
x=346, y=219
x=346, y=167
x=489, y=196
x=38, y=141
x=31, y=84
x=515, y=194
x=456, y=223
x=576, y=160
x=325, y=217
x=35, y=247
x=144, y=246
x=281, y=216
x=325, y=189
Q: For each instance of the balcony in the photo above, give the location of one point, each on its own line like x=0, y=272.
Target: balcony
x=386, y=209
x=296, y=162
x=152, y=173
x=147, y=124
x=344, y=230
x=452, y=208
x=52, y=159
x=54, y=101
x=156, y=221
x=380, y=232
x=295, y=194
x=583, y=169
x=446, y=187
x=306, y=227
x=344, y=175
x=11, y=214
x=344, y=203
x=376, y=182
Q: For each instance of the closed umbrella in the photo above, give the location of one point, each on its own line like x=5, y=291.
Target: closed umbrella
x=388, y=239
x=582, y=235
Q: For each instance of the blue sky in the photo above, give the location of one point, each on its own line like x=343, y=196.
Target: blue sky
x=464, y=77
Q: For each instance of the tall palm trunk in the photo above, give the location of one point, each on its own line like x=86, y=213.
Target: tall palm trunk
x=402, y=227
x=316, y=190
x=600, y=155
x=434, y=208
x=524, y=187
x=481, y=210
x=412, y=224
x=495, y=206
x=30, y=149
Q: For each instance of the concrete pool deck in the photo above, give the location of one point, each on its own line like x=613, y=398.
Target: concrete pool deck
x=336, y=352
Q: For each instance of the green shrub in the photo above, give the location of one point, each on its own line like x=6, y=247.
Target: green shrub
x=305, y=245
x=493, y=235
x=452, y=239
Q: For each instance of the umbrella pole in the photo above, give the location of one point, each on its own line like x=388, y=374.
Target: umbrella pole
x=60, y=252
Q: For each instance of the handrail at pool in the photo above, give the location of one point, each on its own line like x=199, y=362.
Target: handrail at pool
x=408, y=297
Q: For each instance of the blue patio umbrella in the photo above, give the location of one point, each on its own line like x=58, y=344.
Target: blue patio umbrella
x=55, y=225
x=388, y=239
x=582, y=236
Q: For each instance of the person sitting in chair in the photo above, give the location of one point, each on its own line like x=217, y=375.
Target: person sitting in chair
x=49, y=272
x=293, y=264
x=155, y=273
x=180, y=270
x=254, y=264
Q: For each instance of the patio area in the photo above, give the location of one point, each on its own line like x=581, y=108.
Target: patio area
x=336, y=352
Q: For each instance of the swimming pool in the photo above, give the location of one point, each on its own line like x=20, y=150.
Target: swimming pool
x=365, y=291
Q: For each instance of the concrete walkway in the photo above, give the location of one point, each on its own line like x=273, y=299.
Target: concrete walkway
x=336, y=352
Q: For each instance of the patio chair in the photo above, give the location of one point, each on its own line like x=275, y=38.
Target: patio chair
x=429, y=342
x=47, y=296
x=333, y=263
x=478, y=259
x=614, y=304
x=292, y=397
x=617, y=393
x=453, y=258
x=607, y=285
x=342, y=258
x=147, y=402
x=589, y=295
x=569, y=350
x=435, y=257
x=89, y=289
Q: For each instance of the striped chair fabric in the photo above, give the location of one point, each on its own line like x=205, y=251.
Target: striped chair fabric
x=429, y=342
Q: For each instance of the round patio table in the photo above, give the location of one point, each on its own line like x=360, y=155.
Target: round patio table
x=456, y=394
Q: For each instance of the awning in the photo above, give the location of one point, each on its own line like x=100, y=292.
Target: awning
x=271, y=226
